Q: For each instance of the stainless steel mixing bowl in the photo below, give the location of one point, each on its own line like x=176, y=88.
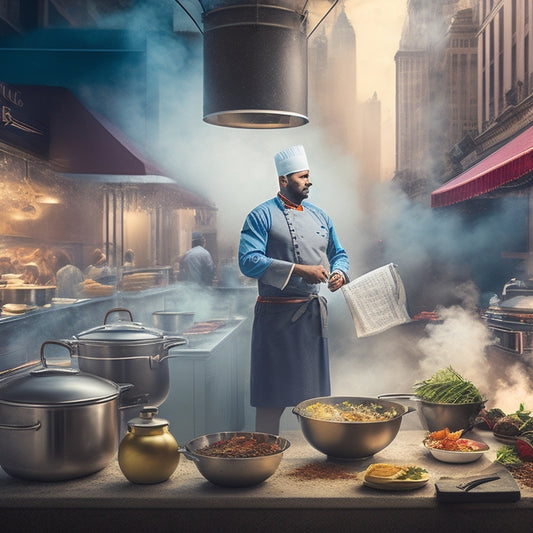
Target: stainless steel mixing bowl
x=235, y=472
x=436, y=416
x=350, y=440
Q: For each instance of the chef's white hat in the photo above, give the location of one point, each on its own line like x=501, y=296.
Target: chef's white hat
x=291, y=160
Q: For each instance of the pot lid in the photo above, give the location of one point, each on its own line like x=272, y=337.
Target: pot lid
x=518, y=303
x=148, y=419
x=54, y=386
x=122, y=331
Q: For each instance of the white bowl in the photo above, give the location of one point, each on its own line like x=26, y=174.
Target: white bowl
x=449, y=456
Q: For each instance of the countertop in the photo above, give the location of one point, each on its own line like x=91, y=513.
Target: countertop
x=188, y=502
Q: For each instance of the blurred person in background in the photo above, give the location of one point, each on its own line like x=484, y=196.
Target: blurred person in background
x=129, y=259
x=290, y=246
x=69, y=277
x=98, y=270
x=197, y=265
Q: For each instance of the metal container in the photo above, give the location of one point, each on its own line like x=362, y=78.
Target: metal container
x=128, y=352
x=350, y=440
x=436, y=416
x=148, y=453
x=27, y=294
x=173, y=322
x=57, y=423
x=239, y=471
x=255, y=66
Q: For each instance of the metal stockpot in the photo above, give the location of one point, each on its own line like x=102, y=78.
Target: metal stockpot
x=57, y=423
x=128, y=352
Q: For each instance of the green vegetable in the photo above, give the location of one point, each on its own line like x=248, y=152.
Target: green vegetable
x=447, y=386
x=413, y=472
x=507, y=455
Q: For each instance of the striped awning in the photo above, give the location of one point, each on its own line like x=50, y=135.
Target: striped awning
x=510, y=162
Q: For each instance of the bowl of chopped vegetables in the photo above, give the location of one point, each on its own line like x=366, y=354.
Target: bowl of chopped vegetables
x=447, y=400
x=349, y=427
x=236, y=458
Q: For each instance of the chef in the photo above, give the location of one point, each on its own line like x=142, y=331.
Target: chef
x=290, y=246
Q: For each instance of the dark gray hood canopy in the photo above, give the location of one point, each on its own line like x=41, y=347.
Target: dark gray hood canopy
x=255, y=59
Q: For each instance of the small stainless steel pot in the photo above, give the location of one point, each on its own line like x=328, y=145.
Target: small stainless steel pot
x=128, y=352
x=57, y=423
x=173, y=322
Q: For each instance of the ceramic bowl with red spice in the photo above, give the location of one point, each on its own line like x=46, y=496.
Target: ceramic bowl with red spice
x=236, y=458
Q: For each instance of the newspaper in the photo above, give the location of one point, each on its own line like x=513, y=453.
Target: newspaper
x=377, y=301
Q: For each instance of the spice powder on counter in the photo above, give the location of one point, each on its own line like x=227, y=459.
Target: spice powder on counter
x=523, y=474
x=321, y=471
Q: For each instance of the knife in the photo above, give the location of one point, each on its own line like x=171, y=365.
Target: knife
x=468, y=485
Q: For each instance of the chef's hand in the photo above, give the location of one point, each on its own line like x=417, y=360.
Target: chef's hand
x=312, y=273
x=336, y=281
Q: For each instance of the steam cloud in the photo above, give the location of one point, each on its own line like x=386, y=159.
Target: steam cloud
x=447, y=264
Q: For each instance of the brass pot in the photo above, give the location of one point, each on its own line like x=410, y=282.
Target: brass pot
x=148, y=453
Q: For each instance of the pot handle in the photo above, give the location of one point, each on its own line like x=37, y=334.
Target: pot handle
x=400, y=395
x=57, y=343
x=9, y=427
x=156, y=359
x=118, y=310
x=188, y=454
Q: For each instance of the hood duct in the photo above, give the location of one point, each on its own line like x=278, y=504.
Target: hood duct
x=255, y=60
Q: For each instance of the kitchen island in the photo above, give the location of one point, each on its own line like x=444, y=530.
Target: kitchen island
x=106, y=501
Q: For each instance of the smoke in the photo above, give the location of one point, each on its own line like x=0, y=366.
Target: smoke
x=448, y=263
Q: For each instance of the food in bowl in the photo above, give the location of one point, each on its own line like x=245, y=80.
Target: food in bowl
x=449, y=447
x=235, y=471
x=350, y=439
x=349, y=412
x=447, y=386
x=239, y=446
x=448, y=400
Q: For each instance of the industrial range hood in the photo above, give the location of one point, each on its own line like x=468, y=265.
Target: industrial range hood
x=255, y=59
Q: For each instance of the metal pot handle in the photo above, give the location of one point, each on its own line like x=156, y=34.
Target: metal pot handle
x=57, y=343
x=118, y=310
x=188, y=454
x=157, y=359
x=32, y=427
x=400, y=395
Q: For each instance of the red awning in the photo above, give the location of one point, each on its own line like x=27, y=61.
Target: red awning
x=510, y=162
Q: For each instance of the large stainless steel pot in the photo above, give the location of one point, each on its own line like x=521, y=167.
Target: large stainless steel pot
x=128, y=352
x=27, y=294
x=235, y=471
x=57, y=423
x=436, y=416
x=350, y=440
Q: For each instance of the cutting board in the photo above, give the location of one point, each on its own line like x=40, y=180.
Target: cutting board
x=504, y=489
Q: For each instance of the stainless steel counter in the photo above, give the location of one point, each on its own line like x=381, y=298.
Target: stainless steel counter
x=187, y=502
